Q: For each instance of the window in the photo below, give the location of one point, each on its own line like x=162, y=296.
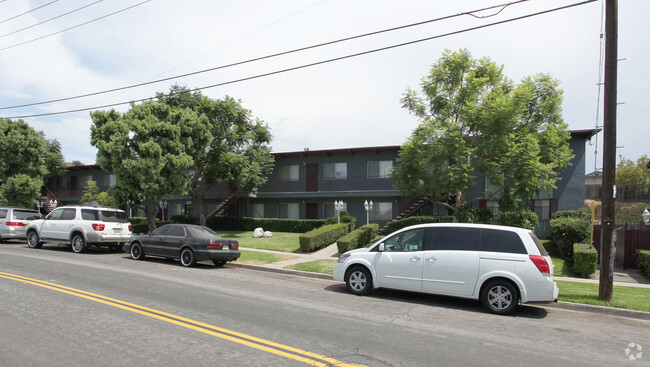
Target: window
x=25, y=214
x=89, y=214
x=258, y=210
x=455, y=239
x=405, y=241
x=288, y=173
x=329, y=211
x=112, y=180
x=379, y=169
x=177, y=231
x=501, y=241
x=288, y=210
x=335, y=171
x=382, y=211
x=3, y=214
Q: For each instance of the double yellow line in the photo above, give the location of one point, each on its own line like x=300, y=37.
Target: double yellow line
x=248, y=340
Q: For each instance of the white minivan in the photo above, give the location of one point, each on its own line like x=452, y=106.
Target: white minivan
x=498, y=265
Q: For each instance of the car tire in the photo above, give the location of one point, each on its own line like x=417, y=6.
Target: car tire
x=118, y=248
x=219, y=263
x=136, y=251
x=358, y=280
x=33, y=240
x=187, y=257
x=500, y=297
x=78, y=243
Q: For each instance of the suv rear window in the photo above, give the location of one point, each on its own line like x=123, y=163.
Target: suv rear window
x=501, y=241
x=104, y=215
x=26, y=214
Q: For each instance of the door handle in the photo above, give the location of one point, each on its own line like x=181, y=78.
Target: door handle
x=416, y=258
x=431, y=259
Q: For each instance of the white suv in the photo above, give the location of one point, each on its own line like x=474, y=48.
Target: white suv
x=81, y=226
x=498, y=265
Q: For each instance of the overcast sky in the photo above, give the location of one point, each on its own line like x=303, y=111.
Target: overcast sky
x=349, y=103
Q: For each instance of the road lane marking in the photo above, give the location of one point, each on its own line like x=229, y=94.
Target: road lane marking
x=244, y=339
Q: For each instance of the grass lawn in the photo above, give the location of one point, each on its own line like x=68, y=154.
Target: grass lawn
x=281, y=241
x=257, y=258
x=324, y=266
x=560, y=269
x=630, y=298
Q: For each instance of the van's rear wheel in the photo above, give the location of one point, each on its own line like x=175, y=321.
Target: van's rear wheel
x=500, y=297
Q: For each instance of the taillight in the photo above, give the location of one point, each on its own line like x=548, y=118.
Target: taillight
x=235, y=246
x=98, y=226
x=15, y=224
x=215, y=245
x=541, y=264
x=130, y=228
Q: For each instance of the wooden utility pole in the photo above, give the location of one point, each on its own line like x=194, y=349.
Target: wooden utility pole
x=606, y=287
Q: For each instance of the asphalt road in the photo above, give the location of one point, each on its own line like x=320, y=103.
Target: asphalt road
x=58, y=308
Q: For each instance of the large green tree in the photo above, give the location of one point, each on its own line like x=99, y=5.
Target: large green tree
x=143, y=148
x=635, y=174
x=226, y=143
x=476, y=123
x=27, y=160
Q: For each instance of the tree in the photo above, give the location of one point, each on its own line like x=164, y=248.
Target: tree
x=226, y=143
x=92, y=194
x=27, y=160
x=143, y=148
x=634, y=174
x=477, y=124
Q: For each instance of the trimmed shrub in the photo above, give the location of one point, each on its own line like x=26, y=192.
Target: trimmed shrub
x=521, y=217
x=322, y=237
x=345, y=218
x=358, y=238
x=410, y=221
x=138, y=220
x=184, y=218
x=643, y=260
x=565, y=231
x=269, y=224
x=144, y=227
x=585, y=258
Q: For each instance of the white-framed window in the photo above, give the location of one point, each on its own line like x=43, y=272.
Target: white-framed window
x=335, y=171
x=112, y=180
x=288, y=173
x=329, y=211
x=288, y=210
x=258, y=210
x=382, y=211
x=379, y=169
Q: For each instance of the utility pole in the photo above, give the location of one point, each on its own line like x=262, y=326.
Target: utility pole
x=606, y=286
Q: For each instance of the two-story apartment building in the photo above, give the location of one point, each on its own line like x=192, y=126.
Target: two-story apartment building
x=306, y=184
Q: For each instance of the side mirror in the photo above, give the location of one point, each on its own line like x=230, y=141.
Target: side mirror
x=382, y=247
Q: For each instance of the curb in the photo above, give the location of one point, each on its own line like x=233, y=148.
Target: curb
x=621, y=312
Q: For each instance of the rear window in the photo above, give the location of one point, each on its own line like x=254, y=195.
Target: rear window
x=198, y=231
x=114, y=216
x=538, y=243
x=493, y=240
x=89, y=214
x=26, y=214
x=3, y=213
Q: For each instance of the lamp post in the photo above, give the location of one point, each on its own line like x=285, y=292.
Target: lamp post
x=338, y=206
x=163, y=206
x=368, y=206
x=646, y=216
x=54, y=204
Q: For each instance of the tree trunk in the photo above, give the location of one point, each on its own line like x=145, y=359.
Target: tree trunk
x=149, y=213
x=198, y=202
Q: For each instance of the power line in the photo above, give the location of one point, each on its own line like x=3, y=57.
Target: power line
x=261, y=58
x=76, y=26
x=324, y=61
x=27, y=12
x=51, y=19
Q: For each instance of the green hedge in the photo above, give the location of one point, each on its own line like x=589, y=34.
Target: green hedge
x=585, y=258
x=184, y=218
x=358, y=238
x=322, y=237
x=522, y=218
x=643, y=260
x=268, y=224
x=410, y=221
x=565, y=231
x=144, y=227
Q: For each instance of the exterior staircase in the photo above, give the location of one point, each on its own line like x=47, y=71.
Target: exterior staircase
x=412, y=209
x=224, y=205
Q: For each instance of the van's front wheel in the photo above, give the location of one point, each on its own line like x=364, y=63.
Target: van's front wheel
x=359, y=281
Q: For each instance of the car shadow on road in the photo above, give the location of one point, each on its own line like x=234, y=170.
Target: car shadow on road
x=55, y=247
x=175, y=262
x=464, y=304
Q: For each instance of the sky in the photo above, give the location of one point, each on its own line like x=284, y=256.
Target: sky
x=354, y=102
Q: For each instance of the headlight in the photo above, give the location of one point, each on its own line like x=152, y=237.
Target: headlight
x=344, y=257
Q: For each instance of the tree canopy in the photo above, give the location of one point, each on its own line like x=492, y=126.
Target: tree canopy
x=635, y=174
x=27, y=160
x=476, y=123
x=181, y=142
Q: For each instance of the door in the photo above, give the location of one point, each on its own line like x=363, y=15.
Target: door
x=451, y=261
x=311, y=211
x=174, y=240
x=153, y=244
x=312, y=177
x=399, y=266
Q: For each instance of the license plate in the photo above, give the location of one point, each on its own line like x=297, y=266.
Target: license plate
x=226, y=247
x=117, y=230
